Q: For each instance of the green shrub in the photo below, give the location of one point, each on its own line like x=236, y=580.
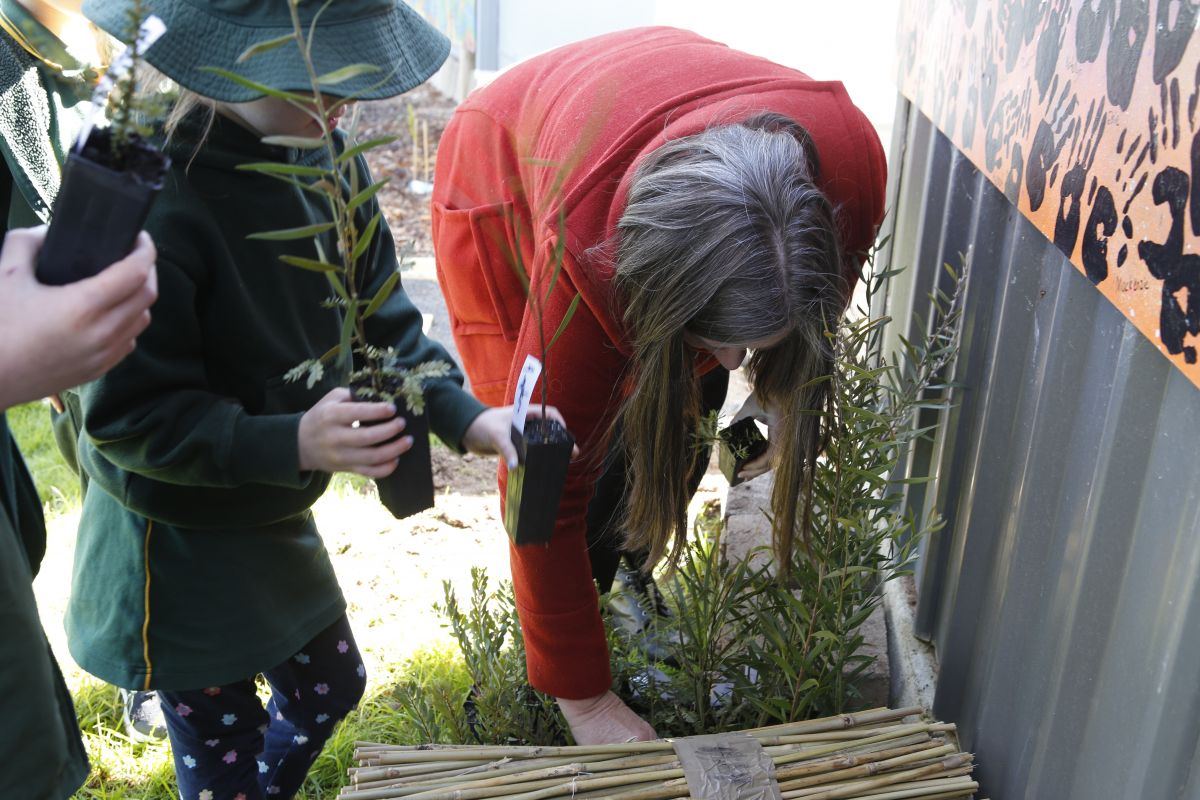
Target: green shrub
x=750, y=645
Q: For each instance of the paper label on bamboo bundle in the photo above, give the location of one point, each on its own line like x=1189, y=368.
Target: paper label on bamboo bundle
x=726, y=766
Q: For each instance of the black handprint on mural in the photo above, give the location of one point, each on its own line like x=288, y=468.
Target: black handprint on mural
x=1101, y=224
x=1178, y=272
x=1052, y=135
x=1125, y=43
x=1083, y=154
x=1195, y=187
x=1171, y=35
x=1049, y=45
x=1090, y=29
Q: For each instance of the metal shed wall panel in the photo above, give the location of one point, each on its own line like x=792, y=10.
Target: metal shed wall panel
x=1062, y=596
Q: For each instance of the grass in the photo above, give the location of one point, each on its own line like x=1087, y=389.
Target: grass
x=57, y=485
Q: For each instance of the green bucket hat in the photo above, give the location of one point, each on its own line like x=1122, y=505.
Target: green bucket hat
x=384, y=33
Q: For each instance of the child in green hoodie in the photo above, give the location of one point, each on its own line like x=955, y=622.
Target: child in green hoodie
x=198, y=563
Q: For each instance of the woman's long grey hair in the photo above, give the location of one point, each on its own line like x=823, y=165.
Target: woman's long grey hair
x=727, y=236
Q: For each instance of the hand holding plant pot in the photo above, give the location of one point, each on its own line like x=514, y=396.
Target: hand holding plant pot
x=111, y=177
x=744, y=452
x=408, y=489
x=544, y=447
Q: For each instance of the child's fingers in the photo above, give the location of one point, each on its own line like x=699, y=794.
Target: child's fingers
x=350, y=411
x=374, y=471
x=340, y=409
x=377, y=462
x=371, y=435
x=388, y=451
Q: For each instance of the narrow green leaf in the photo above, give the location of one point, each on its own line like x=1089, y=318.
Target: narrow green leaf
x=566, y=320
x=310, y=264
x=382, y=295
x=363, y=147
x=287, y=234
x=339, y=288
x=255, y=86
x=365, y=195
x=276, y=168
x=299, y=184
x=262, y=47
x=346, y=73
x=344, y=342
x=912, y=481
x=299, y=142
x=364, y=238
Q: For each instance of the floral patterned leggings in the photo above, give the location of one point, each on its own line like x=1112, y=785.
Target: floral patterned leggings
x=228, y=747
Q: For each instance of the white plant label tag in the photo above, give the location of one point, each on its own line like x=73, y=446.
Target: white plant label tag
x=530, y=370
x=151, y=29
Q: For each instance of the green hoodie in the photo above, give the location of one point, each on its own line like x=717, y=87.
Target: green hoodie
x=198, y=562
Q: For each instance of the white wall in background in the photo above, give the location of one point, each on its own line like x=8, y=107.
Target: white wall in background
x=853, y=42
x=529, y=27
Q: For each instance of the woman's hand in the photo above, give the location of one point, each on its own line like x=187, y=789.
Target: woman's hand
x=604, y=719
x=334, y=436
x=56, y=337
x=488, y=434
x=764, y=463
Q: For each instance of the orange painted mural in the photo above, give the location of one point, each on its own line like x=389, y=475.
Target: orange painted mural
x=1084, y=113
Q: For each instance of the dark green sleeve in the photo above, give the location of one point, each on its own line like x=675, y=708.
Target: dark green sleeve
x=398, y=324
x=156, y=415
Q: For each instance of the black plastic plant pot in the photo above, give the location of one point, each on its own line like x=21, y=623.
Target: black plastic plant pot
x=740, y=442
x=535, y=487
x=99, y=210
x=409, y=489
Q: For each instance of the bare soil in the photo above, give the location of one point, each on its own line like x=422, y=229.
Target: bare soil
x=406, y=212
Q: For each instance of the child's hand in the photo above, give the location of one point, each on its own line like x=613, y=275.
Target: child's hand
x=489, y=435
x=330, y=441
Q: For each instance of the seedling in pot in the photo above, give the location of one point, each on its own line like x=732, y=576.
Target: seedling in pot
x=544, y=451
x=341, y=243
x=544, y=446
x=408, y=489
x=741, y=442
x=112, y=175
x=737, y=444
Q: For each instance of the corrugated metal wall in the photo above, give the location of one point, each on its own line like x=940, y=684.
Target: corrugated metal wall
x=1062, y=597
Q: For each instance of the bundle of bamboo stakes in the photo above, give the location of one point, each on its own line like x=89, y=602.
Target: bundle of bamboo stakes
x=873, y=755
